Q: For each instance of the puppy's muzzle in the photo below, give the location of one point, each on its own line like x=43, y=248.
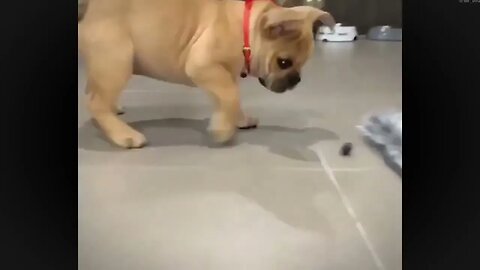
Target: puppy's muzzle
x=293, y=80
x=283, y=84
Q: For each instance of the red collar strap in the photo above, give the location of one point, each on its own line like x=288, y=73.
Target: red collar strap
x=247, y=52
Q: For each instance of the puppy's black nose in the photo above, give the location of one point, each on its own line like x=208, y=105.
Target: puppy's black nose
x=294, y=79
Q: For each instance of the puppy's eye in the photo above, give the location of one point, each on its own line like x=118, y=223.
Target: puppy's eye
x=284, y=63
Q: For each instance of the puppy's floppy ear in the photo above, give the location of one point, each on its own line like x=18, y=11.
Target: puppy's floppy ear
x=290, y=22
x=282, y=23
x=315, y=15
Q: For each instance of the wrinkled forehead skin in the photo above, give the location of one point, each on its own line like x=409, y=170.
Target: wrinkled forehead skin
x=298, y=51
x=287, y=33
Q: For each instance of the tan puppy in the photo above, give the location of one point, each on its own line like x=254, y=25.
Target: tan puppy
x=191, y=42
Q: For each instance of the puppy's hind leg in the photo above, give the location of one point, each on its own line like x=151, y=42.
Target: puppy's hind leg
x=109, y=67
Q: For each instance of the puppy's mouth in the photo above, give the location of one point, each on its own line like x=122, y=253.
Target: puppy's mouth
x=276, y=88
x=281, y=85
x=262, y=82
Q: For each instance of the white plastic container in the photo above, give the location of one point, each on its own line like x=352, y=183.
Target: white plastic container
x=340, y=33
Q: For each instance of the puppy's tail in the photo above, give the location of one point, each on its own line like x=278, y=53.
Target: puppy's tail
x=82, y=9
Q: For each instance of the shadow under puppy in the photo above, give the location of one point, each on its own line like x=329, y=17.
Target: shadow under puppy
x=192, y=42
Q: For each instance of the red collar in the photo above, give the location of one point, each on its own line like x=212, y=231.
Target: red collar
x=247, y=53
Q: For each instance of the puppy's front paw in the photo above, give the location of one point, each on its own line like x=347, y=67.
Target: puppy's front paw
x=222, y=136
x=129, y=138
x=247, y=123
x=221, y=130
x=119, y=110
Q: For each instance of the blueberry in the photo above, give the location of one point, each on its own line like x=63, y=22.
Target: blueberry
x=346, y=149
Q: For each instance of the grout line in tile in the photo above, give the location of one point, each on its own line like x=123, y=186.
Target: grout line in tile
x=346, y=202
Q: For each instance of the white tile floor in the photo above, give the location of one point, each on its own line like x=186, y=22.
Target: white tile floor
x=280, y=198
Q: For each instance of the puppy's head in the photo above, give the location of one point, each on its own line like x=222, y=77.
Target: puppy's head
x=285, y=41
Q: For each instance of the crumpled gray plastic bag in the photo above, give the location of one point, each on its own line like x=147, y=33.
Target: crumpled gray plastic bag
x=384, y=131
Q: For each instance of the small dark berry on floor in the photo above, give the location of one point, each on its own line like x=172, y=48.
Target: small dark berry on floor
x=346, y=149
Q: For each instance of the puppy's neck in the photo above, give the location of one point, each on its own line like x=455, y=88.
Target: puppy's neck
x=236, y=8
